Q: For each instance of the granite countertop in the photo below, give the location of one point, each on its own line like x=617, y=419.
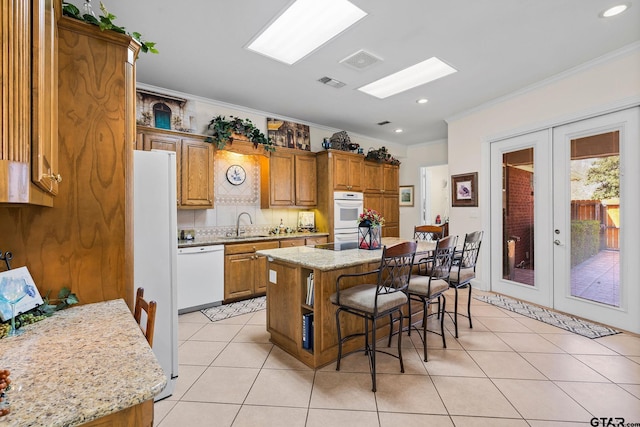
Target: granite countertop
x=265, y=237
x=78, y=365
x=325, y=260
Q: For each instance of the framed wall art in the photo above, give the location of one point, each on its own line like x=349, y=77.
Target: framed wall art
x=289, y=134
x=464, y=190
x=406, y=195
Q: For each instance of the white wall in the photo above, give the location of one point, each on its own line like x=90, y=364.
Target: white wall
x=427, y=154
x=597, y=87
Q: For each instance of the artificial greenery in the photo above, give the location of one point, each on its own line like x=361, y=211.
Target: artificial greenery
x=222, y=131
x=105, y=22
x=65, y=299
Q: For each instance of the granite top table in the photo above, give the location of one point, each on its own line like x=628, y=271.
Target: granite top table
x=80, y=364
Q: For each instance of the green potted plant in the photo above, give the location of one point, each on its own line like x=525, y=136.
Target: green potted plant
x=105, y=22
x=222, y=131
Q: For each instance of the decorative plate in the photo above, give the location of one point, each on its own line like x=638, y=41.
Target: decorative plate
x=236, y=174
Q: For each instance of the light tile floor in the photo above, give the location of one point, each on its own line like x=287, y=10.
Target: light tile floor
x=508, y=370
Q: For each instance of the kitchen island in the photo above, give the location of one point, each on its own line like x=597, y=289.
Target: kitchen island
x=289, y=308
x=86, y=365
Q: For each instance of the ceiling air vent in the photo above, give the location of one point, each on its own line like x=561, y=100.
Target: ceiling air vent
x=386, y=122
x=361, y=60
x=331, y=82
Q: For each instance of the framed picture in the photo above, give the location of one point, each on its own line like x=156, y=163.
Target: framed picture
x=289, y=134
x=464, y=190
x=406, y=195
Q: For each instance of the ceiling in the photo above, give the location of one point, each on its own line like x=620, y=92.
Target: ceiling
x=497, y=46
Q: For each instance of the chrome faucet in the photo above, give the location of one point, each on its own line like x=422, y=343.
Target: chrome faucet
x=238, y=222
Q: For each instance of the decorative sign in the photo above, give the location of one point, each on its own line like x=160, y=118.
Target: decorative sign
x=31, y=300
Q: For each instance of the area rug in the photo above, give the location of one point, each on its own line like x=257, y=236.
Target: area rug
x=572, y=324
x=222, y=312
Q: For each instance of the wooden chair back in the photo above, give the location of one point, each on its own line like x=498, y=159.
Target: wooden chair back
x=150, y=309
x=428, y=232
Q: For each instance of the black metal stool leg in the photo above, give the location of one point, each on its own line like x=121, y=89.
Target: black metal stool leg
x=455, y=310
x=373, y=353
x=339, y=339
x=444, y=304
x=469, y=306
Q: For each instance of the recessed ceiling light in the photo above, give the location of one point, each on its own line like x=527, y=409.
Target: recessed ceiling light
x=422, y=101
x=416, y=75
x=398, y=130
x=305, y=26
x=615, y=10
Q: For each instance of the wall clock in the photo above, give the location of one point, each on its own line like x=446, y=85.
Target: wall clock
x=236, y=174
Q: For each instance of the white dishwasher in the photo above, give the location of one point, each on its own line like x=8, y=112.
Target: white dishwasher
x=200, y=277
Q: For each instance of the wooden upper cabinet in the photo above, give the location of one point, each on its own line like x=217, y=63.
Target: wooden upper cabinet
x=282, y=179
x=194, y=164
x=44, y=168
x=306, y=177
x=372, y=177
x=196, y=174
x=28, y=130
x=348, y=171
x=288, y=178
x=390, y=178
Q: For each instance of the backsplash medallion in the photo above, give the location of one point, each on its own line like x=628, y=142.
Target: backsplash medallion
x=247, y=193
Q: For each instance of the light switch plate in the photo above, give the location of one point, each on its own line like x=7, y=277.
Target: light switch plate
x=273, y=276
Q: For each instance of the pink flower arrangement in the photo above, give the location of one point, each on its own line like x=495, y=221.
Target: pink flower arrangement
x=371, y=216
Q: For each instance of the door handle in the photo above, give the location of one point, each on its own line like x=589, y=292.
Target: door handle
x=557, y=242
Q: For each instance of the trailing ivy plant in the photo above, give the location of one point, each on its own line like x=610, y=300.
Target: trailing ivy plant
x=222, y=130
x=105, y=22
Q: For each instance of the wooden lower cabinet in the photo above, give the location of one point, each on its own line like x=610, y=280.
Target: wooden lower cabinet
x=311, y=241
x=139, y=415
x=388, y=206
x=245, y=273
x=290, y=243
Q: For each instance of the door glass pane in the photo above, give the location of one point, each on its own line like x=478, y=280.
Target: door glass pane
x=517, y=212
x=595, y=219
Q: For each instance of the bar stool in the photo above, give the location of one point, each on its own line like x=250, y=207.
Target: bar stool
x=373, y=300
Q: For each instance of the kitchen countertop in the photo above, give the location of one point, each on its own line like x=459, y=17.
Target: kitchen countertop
x=221, y=240
x=325, y=260
x=80, y=364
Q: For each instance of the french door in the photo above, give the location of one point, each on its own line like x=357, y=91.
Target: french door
x=564, y=215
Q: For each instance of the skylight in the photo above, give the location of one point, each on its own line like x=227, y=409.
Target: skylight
x=416, y=75
x=305, y=26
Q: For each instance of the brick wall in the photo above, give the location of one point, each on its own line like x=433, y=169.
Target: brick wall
x=519, y=218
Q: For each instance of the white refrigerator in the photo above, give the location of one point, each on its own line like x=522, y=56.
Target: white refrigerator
x=155, y=251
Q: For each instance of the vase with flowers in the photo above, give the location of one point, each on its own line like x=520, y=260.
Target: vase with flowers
x=370, y=224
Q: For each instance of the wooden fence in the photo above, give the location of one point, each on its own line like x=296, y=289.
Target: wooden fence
x=607, y=214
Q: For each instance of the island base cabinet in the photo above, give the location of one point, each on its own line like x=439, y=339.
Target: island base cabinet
x=283, y=298
x=286, y=306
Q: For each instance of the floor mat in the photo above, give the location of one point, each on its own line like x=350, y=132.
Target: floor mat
x=572, y=324
x=222, y=312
